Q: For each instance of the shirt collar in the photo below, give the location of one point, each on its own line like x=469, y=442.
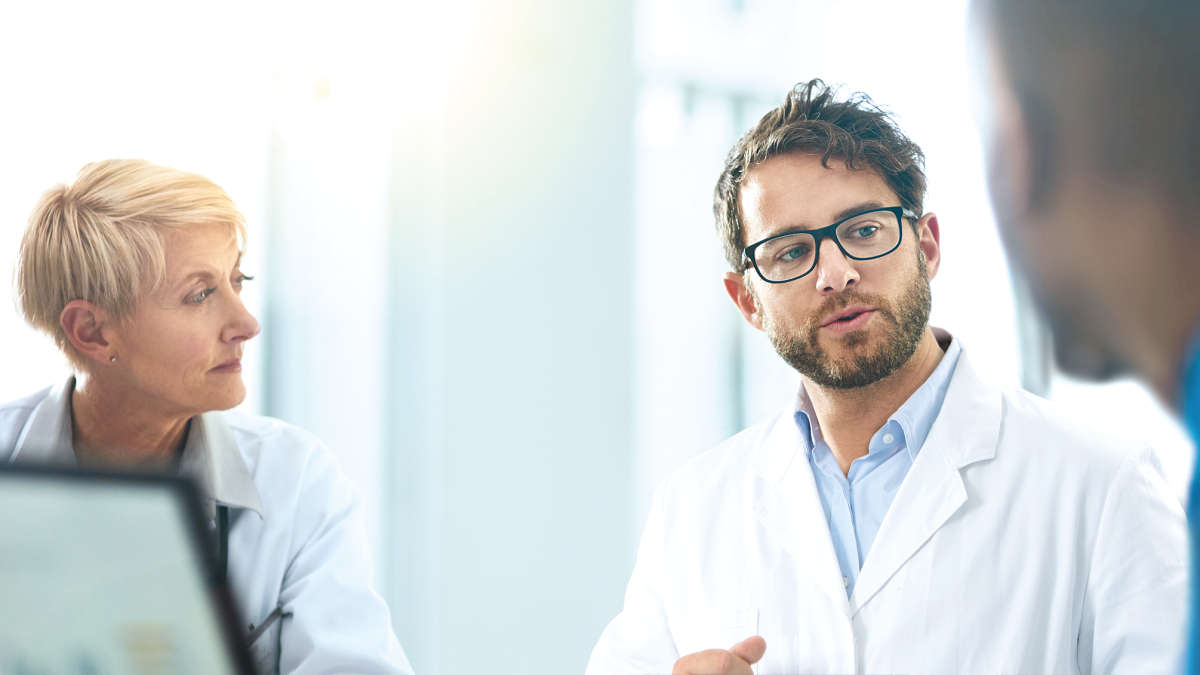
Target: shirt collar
x=917, y=414
x=914, y=418
x=210, y=453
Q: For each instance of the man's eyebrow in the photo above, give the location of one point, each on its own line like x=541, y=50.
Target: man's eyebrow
x=840, y=215
x=856, y=209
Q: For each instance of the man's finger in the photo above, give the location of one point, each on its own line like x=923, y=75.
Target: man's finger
x=712, y=662
x=750, y=650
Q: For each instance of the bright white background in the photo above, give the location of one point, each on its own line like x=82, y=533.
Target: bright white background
x=487, y=271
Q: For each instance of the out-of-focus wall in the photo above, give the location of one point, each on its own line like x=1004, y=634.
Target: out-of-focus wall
x=509, y=432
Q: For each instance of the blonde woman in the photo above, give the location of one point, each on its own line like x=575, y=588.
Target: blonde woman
x=135, y=271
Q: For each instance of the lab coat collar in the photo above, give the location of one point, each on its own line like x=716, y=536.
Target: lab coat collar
x=966, y=430
x=210, y=454
x=789, y=507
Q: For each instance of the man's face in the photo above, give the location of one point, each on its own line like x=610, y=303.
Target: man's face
x=1064, y=258
x=848, y=323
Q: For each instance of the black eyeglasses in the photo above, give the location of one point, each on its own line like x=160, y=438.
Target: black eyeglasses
x=862, y=236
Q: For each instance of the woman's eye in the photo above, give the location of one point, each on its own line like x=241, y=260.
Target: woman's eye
x=241, y=279
x=201, y=296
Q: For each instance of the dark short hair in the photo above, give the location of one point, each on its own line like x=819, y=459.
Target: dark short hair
x=811, y=120
x=1109, y=87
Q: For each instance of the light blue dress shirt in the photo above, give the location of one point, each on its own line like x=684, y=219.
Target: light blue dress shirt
x=855, y=504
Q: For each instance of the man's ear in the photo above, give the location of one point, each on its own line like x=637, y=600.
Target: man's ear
x=85, y=324
x=739, y=291
x=929, y=239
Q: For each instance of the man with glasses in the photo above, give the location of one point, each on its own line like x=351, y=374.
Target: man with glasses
x=901, y=515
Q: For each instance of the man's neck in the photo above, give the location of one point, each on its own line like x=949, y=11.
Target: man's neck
x=111, y=427
x=849, y=417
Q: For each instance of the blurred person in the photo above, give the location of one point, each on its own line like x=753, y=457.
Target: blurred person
x=901, y=515
x=135, y=271
x=1091, y=129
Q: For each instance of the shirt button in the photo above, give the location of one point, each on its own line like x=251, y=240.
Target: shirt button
x=212, y=524
x=846, y=582
x=888, y=438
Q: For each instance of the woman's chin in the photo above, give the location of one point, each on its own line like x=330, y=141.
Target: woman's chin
x=227, y=397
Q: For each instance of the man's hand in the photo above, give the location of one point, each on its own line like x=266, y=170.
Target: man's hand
x=734, y=661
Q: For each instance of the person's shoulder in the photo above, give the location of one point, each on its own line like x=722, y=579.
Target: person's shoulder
x=261, y=429
x=724, y=468
x=25, y=404
x=13, y=417
x=282, y=446
x=1049, y=424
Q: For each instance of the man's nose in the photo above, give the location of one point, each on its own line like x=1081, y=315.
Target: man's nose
x=834, y=270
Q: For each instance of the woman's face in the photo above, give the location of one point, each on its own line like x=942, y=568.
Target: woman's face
x=181, y=350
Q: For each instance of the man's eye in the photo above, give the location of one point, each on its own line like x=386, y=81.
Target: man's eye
x=794, y=253
x=865, y=231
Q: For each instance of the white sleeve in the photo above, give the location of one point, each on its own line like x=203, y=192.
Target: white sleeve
x=1135, y=605
x=638, y=641
x=334, y=620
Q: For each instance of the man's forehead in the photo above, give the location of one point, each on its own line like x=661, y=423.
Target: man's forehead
x=798, y=192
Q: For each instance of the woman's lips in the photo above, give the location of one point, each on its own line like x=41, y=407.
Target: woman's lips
x=841, y=327
x=234, y=366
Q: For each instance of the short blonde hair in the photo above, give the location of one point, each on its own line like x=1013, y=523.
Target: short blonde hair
x=100, y=239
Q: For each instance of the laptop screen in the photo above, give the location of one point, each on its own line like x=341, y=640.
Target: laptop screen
x=106, y=573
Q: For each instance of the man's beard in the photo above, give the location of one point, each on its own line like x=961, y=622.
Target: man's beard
x=905, y=324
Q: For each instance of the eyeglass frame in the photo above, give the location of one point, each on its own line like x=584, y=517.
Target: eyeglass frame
x=829, y=232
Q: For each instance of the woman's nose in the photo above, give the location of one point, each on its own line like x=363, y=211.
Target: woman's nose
x=242, y=325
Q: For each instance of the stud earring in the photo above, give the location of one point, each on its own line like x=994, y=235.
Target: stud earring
x=112, y=359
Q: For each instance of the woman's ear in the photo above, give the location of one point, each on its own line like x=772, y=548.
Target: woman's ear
x=84, y=325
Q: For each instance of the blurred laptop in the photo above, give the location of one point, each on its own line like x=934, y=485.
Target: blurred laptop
x=104, y=573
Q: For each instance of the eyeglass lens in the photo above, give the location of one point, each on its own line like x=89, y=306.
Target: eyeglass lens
x=866, y=236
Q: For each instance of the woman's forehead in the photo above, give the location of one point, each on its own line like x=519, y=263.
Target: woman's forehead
x=212, y=246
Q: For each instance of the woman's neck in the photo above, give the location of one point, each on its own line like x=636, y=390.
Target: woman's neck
x=113, y=426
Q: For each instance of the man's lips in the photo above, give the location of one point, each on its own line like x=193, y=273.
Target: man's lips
x=846, y=314
x=230, y=365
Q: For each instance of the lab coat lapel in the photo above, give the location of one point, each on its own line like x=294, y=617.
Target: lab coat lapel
x=47, y=436
x=966, y=431
x=790, y=508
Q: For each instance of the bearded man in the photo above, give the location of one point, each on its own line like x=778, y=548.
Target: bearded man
x=900, y=515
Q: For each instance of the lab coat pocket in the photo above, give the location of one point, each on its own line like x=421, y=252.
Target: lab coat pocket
x=263, y=639
x=713, y=629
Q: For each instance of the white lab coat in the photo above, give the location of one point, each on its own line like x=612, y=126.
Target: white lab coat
x=1019, y=542
x=296, y=539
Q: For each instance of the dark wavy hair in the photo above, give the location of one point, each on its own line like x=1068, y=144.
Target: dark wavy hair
x=811, y=120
